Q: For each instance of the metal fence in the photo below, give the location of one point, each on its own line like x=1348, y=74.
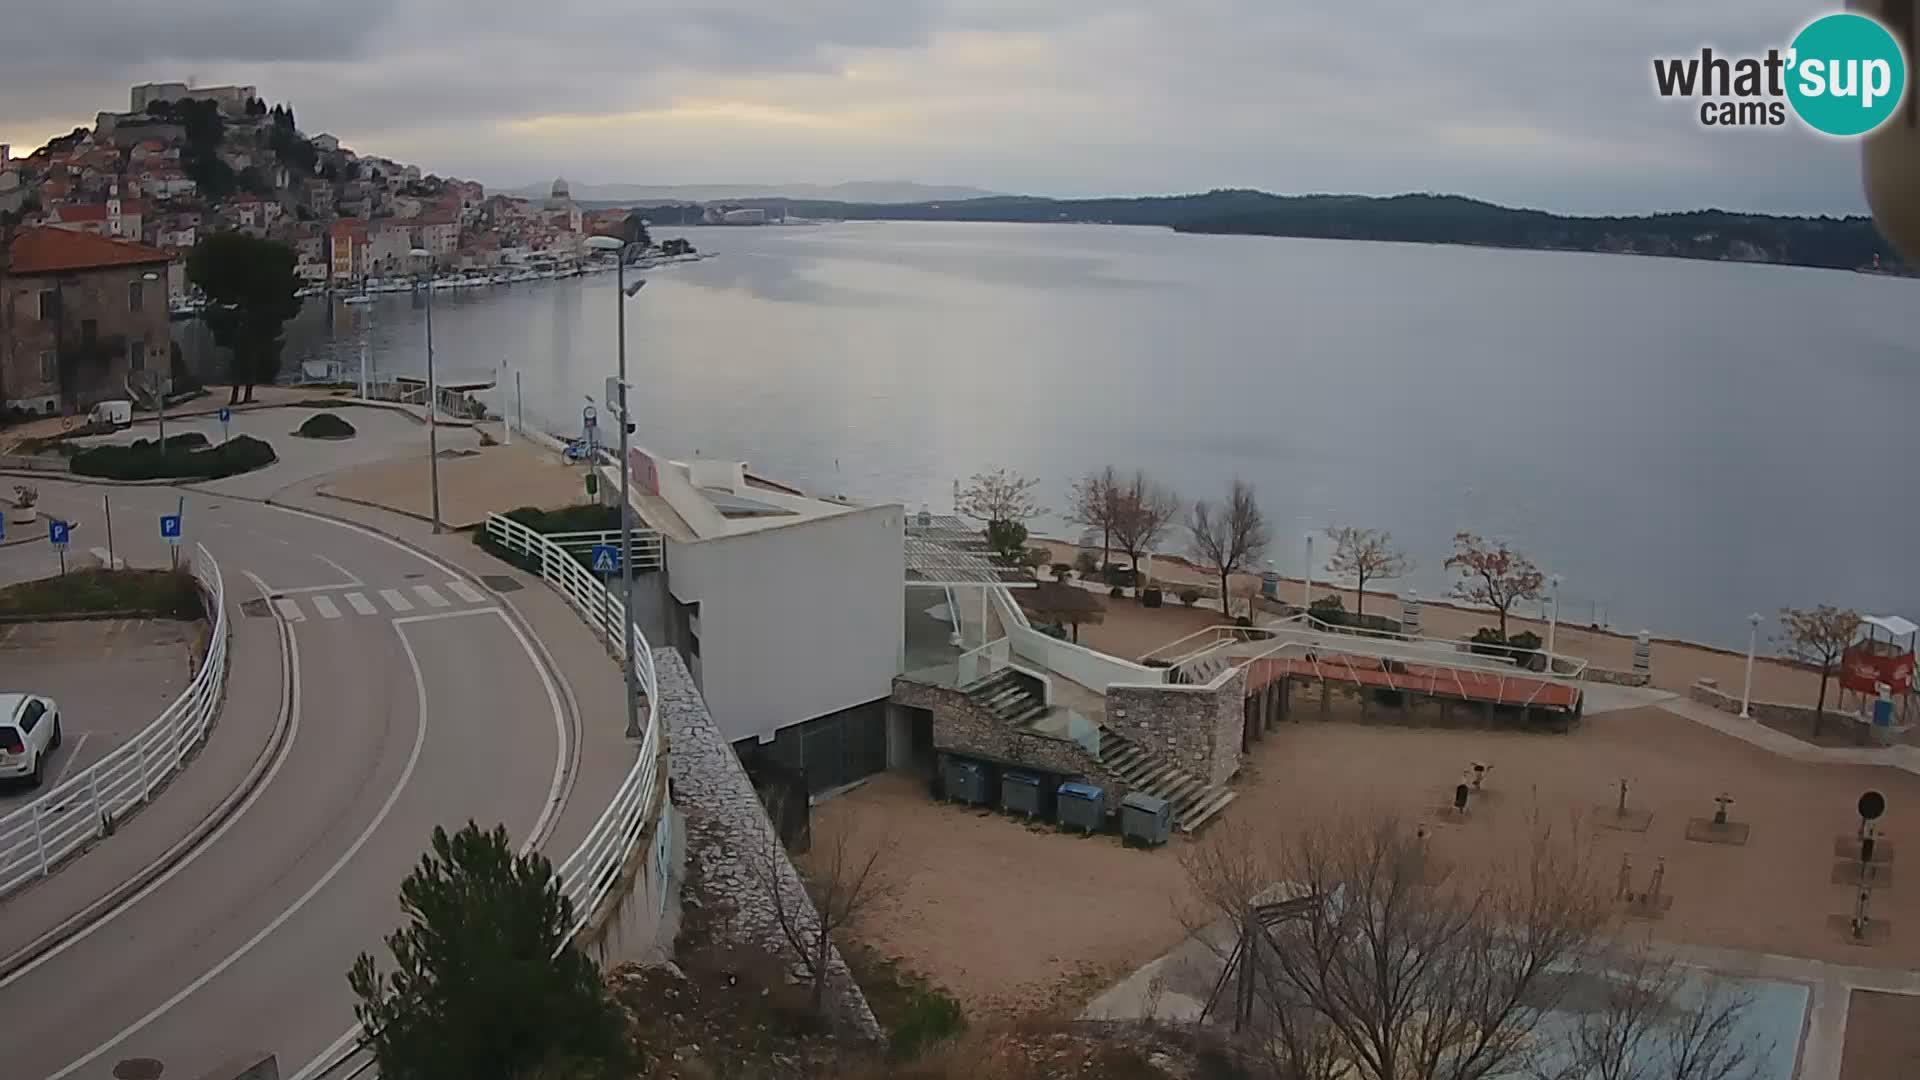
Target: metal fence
x=86, y=805
x=648, y=552
x=588, y=875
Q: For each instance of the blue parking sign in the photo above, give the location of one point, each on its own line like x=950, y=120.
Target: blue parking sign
x=226, y=414
x=57, y=531
x=606, y=559
x=170, y=528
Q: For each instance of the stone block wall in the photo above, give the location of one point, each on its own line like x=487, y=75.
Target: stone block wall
x=1197, y=728
x=962, y=727
x=726, y=827
x=1708, y=692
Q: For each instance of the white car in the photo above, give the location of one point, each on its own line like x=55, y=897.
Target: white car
x=29, y=733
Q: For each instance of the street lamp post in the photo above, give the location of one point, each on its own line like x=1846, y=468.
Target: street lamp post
x=1553, y=616
x=433, y=399
x=1306, y=586
x=164, y=378
x=621, y=294
x=1753, y=640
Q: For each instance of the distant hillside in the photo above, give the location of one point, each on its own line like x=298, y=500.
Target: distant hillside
x=858, y=191
x=1838, y=243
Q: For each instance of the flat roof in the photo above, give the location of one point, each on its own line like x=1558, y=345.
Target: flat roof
x=930, y=562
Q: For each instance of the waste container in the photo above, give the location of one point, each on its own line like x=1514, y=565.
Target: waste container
x=1146, y=819
x=1082, y=806
x=969, y=781
x=1020, y=793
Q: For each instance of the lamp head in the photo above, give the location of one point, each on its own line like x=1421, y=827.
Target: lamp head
x=635, y=288
x=421, y=253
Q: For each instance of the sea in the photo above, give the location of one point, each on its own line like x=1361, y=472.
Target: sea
x=1682, y=442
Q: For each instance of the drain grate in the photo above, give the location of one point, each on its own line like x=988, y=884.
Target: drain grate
x=500, y=582
x=410, y=577
x=138, y=1069
x=255, y=608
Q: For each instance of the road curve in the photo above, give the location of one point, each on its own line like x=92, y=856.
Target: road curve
x=415, y=701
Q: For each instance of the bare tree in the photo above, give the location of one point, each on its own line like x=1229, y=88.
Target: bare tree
x=1493, y=575
x=1365, y=555
x=999, y=496
x=1368, y=957
x=1646, y=1017
x=1227, y=538
x=1819, y=636
x=1059, y=602
x=1143, y=511
x=844, y=880
x=1092, y=502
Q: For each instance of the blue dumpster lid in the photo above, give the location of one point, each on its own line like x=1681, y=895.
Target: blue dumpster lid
x=1142, y=801
x=1081, y=791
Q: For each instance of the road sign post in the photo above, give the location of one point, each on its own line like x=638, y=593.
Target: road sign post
x=605, y=561
x=226, y=415
x=58, y=534
x=170, y=532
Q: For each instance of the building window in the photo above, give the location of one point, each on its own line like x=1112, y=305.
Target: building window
x=49, y=305
x=49, y=366
x=137, y=355
x=133, y=296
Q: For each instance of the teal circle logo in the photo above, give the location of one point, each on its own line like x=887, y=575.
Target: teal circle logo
x=1846, y=74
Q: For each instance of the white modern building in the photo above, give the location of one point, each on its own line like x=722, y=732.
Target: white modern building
x=787, y=607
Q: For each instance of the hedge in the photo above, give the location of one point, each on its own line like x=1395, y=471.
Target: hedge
x=325, y=426
x=162, y=593
x=146, y=460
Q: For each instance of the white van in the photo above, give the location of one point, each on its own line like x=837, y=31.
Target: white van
x=111, y=414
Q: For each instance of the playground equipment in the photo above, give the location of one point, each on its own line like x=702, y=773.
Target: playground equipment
x=1649, y=903
x=1876, y=673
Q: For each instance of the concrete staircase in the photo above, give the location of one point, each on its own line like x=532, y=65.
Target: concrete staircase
x=1009, y=695
x=1194, y=800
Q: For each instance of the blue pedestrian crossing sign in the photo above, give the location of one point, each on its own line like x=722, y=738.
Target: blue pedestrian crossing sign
x=606, y=559
x=57, y=532
x=170, y=528
x=226, y=414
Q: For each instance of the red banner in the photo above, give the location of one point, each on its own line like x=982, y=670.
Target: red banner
x=1862, y=671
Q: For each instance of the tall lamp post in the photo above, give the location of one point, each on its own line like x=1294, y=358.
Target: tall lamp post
x=433, y=398
x=164, y=379
x=1753, y=641
x=1553, y=616
x=1306, y=586
x=622, y=292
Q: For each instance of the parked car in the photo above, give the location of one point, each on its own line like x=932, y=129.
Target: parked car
x=29, y=734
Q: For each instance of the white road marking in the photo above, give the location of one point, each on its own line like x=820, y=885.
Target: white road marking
x=360, y=604
x=344, y=572
x=431, y=596
x=73, y=755
x=290, y=705
x=324, y=605
x=465, y=591
x=289, y=609
x=396, y=601
x=557, y=796
x=393, y=797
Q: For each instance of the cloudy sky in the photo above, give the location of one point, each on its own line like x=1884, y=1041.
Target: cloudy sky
x=1548, y=105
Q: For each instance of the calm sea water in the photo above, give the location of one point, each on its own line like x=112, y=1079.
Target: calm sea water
x=1683, y=441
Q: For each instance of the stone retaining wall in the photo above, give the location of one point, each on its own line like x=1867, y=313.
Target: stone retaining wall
x=726, y=826
x=962, y=727
x=1196, y=728
x=1619, y=678
x=1708, y=692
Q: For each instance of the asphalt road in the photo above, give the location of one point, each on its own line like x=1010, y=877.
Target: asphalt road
x=416, y=703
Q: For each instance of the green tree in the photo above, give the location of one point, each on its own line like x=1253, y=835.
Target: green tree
x=634, y=231
x=250, y=286
x=485, y=980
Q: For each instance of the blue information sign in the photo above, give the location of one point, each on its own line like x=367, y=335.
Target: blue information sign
x=226, y=414
x=57, y=532
x=606, y=559
x=170, y=528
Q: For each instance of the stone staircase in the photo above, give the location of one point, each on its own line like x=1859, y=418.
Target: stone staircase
x=1194, y=800
x=1009, y=695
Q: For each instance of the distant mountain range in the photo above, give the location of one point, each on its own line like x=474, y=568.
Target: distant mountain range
x=1843, y=243
x=885, y=192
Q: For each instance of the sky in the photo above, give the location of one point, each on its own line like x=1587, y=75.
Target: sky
x=1519, y=102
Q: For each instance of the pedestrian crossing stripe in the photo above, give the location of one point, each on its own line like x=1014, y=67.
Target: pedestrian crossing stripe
x=360, y=604
x=431, y=596
x=324, y=605
x=398, y=601
x=465, y=592
x=289, y=610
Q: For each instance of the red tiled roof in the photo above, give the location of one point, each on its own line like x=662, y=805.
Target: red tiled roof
x=81, y=212
x=47, y=250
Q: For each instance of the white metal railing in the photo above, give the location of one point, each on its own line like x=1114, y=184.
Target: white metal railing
x=976, y=664
x=589, y=874
x=84, y=806
x=649, y=551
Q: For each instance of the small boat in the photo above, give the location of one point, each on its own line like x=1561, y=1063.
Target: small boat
x=358, y=298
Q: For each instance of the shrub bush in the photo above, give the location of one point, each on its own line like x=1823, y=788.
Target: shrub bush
x=167, y=594
x=1525, y=639
x=1117, y=592
x=186, y=440
x=325, y=425
x=1189, y=596
x=1061, y=570
x=1087, y=563
x=1329, y=609
x=145, y=460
